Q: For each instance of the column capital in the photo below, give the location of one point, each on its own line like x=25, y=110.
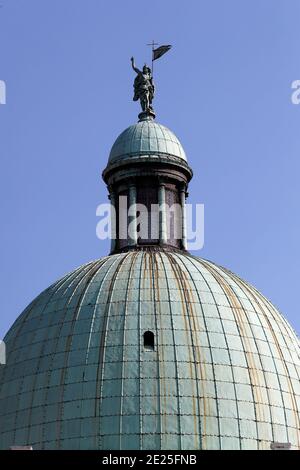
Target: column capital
x=161, y=182
x=131, y=182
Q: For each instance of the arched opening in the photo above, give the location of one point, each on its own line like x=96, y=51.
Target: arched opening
x=149, y=341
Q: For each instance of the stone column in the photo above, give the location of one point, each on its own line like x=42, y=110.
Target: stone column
x=132, y=240
x=183, y=215
x=162, y=214
x=113, y=222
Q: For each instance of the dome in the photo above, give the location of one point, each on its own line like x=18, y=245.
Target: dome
x=150, y=350
x=146, y=138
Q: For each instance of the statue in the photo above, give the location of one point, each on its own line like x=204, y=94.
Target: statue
x=143, y=88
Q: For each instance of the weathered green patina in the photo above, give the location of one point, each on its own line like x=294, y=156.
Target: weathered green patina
x=224, y=371
x=146, y=137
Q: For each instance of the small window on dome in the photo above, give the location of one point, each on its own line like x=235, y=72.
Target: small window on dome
x=149, y=341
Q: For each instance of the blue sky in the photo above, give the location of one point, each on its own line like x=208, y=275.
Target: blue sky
x=224, y=89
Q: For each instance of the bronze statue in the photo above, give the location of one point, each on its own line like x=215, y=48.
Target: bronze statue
x=143, y=87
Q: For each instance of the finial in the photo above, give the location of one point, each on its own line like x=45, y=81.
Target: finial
x=144, y=88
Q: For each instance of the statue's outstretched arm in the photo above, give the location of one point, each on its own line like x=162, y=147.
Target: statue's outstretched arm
x=134, y=67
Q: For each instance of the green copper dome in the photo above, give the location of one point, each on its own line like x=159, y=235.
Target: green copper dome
x=146, y=138
x=150, y=350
